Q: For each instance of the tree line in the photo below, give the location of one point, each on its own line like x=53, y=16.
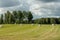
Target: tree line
x=47, y=21
x=16, y=17
x=25, y=17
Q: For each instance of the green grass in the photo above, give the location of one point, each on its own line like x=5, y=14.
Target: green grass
x=29, y=32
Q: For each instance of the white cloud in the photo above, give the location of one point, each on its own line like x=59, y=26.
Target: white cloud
x=38, y=8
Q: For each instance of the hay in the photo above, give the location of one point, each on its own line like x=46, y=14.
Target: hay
x=1, y=26
x=53, y=24
x=20, y=24
x=39, y=25
x=32, y=24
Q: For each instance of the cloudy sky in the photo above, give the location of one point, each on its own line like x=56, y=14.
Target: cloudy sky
x=39, y=8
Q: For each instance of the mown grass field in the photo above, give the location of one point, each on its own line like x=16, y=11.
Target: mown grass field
x=29, y=32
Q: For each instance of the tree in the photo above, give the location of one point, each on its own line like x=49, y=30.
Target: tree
x=20, y=16
x=8, y=17
x=25, y=14
x=15, y=16
x=1, y=19
x=52, y=21
x=30, y=17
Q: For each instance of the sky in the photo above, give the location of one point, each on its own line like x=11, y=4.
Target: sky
x=39, y=8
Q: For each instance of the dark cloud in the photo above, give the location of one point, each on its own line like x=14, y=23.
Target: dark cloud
x=49, y=0
x=9, y=3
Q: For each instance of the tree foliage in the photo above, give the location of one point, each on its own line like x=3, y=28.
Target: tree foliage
x=24, y=17
x=16, y=17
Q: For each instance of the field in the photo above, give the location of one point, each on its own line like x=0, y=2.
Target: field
x=29, y=32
